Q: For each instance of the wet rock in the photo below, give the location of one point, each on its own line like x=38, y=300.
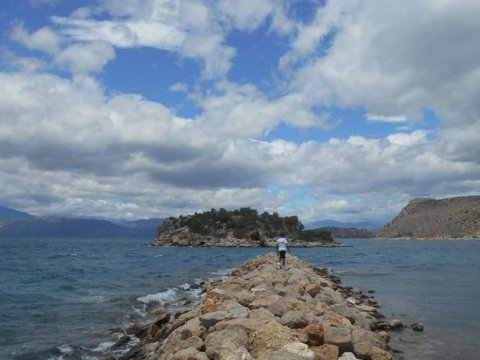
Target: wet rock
x=417, y=326
x=121, y=342
x=379, y=354
x=356, y=291
x=159, y=311
x=385, y=336
x=395, y=324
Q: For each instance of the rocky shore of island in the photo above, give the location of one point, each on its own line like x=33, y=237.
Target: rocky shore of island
x=263, y=312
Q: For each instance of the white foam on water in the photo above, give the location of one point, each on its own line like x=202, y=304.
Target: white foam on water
x=65, y=349
x=161, y=297
x=185, y=286
x=140, y=312
x=104, y=346
x=89, y=357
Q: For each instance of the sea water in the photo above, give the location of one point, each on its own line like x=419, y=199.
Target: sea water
x=61, y=298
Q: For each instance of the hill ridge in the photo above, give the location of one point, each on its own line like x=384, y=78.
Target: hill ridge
x=428, y=218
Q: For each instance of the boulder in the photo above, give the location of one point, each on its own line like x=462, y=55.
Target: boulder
x=395, y=324
x=261, y=313
x=268, y=338
x=188, y=353
x=379, y=354
x=232, y=310
x=230, y=343
x=294, y=319
x=339, y=336
x=279, y=307
x=312, y=289
x=325, y=352
x=417, y=326
x=291, y=351
x=314, y=334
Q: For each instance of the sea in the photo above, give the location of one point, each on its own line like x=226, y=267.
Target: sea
x=69, y=298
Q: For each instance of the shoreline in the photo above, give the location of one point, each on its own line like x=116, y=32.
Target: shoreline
x=301, y=312
x=426, y=239
x=272, y=245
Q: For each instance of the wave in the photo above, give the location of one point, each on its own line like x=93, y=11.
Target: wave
x=163, y=297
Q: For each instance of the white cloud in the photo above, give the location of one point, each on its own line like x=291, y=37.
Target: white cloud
x=85, y=57
x=68, y=146
x=187, y=28
x=247, y=14
x=383, y=118
x=244, y=111
x=76, y=150
x=178, y=87
x=377, y=62
x=44, y=39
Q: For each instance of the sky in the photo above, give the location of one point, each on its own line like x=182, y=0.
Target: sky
x=343, y=109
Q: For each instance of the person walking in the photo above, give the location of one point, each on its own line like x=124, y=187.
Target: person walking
x=282, y=248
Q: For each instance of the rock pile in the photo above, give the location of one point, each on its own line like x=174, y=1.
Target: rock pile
x=265, y=313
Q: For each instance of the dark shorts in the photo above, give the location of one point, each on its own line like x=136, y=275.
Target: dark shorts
x=282, y=254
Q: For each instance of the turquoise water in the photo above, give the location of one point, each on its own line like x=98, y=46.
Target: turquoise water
x=60, y=297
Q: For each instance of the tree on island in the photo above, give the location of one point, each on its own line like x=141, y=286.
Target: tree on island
x=244, y=223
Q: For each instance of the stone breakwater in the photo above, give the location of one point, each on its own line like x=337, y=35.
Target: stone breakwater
x=265, y=313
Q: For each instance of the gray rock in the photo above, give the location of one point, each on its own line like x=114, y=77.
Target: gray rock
x=395, y=324
x=234, y=310
x=229, y=344
x=279, y=307
x=345, y=310
x=342, y=337
x=417, y=326
x=294, y=319
x=188, y=353
x=291, y=351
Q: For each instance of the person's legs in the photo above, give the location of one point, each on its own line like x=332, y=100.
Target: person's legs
x=282, y=258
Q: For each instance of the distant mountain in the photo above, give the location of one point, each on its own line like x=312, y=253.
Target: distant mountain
x=70, y=227
x=12, y=214
x=144, y=223
x=425, y=218
x=348, y=233
x=339, y=224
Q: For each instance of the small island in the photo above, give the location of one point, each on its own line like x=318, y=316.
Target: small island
x=244, y=227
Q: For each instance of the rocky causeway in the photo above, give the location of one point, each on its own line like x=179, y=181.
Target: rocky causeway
x=266, y=313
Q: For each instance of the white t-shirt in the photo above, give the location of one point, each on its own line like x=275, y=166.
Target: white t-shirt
x=282, y=244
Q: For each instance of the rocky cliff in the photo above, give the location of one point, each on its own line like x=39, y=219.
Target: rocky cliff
x=425, y=218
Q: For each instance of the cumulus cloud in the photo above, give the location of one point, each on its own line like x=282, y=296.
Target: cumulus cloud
x=375, y=61
x=73, y=146
x=86, y=57
x=44, y=39
x=184, y=27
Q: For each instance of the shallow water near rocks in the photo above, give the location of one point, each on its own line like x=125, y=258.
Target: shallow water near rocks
x=60, y=297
